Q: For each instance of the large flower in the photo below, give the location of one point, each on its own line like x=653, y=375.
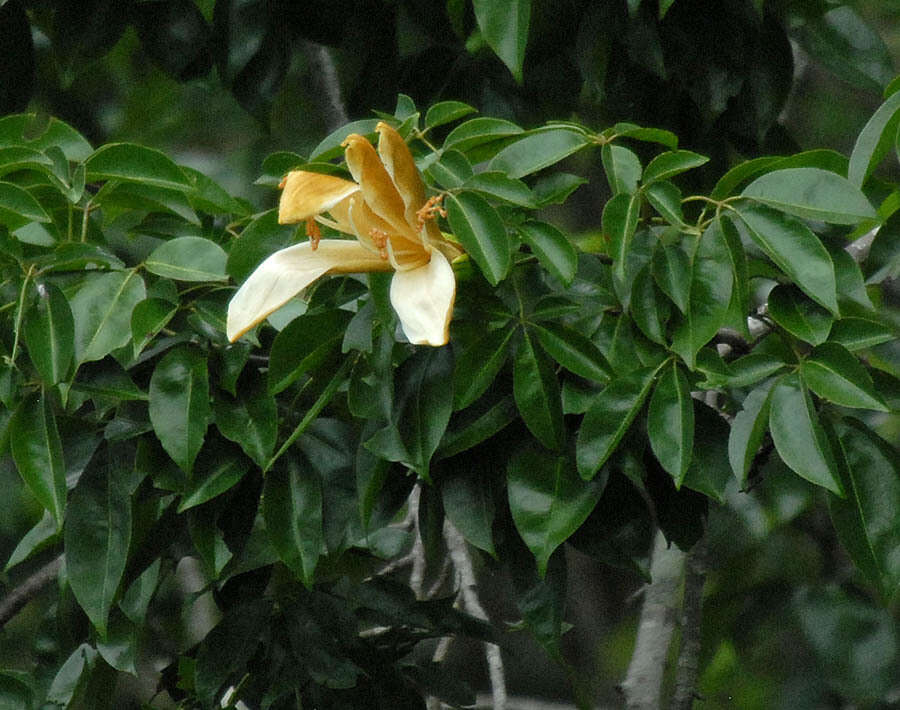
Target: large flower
x=385, y=208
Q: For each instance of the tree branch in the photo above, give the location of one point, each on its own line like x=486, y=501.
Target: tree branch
x=691, y=617
x=19, y=596
x=324, y=76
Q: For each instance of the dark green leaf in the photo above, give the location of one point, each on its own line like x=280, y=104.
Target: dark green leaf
x=875, y=140
x=463, y=433
x=672, y=270
x=97, y=535
x=747, y=431
x=537, y=395
x=537, y=151
x=330, y=147
x=811, y=193
x=451, y=170
x=72, y=676
x=148, y=318
x=622, y=167
x=666, y=199
x=18, y=208
x=670, y=422
x=552, y=248
x=479, y=130
x=555, y=188
x=650, y=135
x=44, y=533
x=179, y=404
x=667, y=165
x=228, y=469
x=609, y=417
x=801, y=317
x=130, y=162
x=50, y=334
x=504, y=26
x=482, y=233
x=19, y=130
x=836, y=375
x=446, y=112
x=303, y=345
x=469, y=505
x=262, y=237
x=478, y=365
x=250, y=421
x=502, y=187
x=649, y=307
x=709, y=472
x=620, y=219
x=548, y=500
x=798, y=436
x=38, y=453
x=751, y=368
x=573, y=351
x=860, y=333
x=188, y=259
x=795, y=250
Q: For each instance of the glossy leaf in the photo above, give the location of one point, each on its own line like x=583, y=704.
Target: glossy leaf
x=609, y=417
x=303, y=345
x=179, y=404
x=188, y=259
x=867, y=521
x=620, y=219
x=504, y=26
x=225, y=473
x=446, y=112
x=666, y=200
x=747, y=430
x=482, y=233
x=623, y=168
x=469, y=505
x=673, y=271
x=250, y=421
x=709, y=472
x=97, y=536
x=649, y=307
x=101, y=308
x=18, y=207
x=261, y=237
x=799, y=438
x=573, y=351
x=451, y=170
x=130, y=162
x=537, y=151
x=670, y=422
x=292, y=508
x=552, y=248
x=548, y=500
x=148, y=318
x=875, y=140
x=801, y=317
x=480, y=130
x=50, y=334
x=672, y=163
x=795, y=250
x=19, y=129
x=38, y=453
x=537, y=395
x=502, y=187
x=860, y=333
x=811, y=193
x=478, y=365
x=833, y=373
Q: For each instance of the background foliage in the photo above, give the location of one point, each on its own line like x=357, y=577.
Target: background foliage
x=135, y=439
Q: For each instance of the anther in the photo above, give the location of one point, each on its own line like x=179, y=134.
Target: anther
x=430, y=209
x=313, y=232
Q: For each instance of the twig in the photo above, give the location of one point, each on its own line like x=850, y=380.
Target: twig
x=643, y=683
x=19, y=596
x=691, y=616
x=325, y=78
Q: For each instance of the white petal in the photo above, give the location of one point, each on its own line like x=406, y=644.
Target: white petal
x=287, y=272
x=423, y=299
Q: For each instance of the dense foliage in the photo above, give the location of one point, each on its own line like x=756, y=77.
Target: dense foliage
x=238, y=520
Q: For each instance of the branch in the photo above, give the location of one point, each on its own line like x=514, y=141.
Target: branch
x=19, y=596
x=325, y=80
x=691, y=616
x=643, y=683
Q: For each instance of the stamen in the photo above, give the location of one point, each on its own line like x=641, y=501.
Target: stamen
x=430, y=209
x=380, y=240
x=282, y=183
x=313, y=232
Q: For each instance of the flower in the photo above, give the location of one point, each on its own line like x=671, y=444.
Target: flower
x=385, y=208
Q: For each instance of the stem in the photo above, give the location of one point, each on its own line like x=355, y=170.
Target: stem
x=691, y=616
x=643, y=684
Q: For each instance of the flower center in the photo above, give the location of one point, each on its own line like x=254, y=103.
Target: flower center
x=380, y=240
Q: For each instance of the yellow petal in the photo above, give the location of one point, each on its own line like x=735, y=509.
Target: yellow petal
x=402, y=168
x=307, y=194
x=287, y=272
x=378, y=189
x=423, y=299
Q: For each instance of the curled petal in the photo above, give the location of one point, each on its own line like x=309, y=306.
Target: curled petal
x=287, y=272
x=423, y=299
x=378, y=189
x=307, y=194
x=402, y=168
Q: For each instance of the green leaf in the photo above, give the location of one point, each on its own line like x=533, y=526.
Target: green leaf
x=262, y=237
x=666, y=200
x=38, y=453
x=672, y=271
x=874, y=141
x=709, y=472
x=451, y=170
x=72, y=676
x=18, y=130
x=179, y=404
x=136, y=600
x=623, y=168
x=741, y=172
x=478, y=365
x=753, y=367
x=15, y=158
x=798, y=315
x=548, y=500
x=747, y=431
x=50, y=334
x=330, y=146
x=640, y=133
x=811, y=193
x=292, y=508
x=620, y=219
x=867, y=521
x=446, y=112
x=188, y=259
x=671, y=163
x=795, y=250
x=482, y=233
x=504, y=26
x=303, y=345
x=552, y=248
x=537, y=395
x=478, y=131
x=18, y=207
x=609, y=417
x=469, y=505
x=97, y=535
x=799, y=438
x=649, y=307
x=250, y=421
x=148, y=318
x=861, y=333
x=130, y=162
x=42, y=535
x=554, y=189
x=537, y=151
x=670, y=422
x=573, y=351
x=101, y=308
x=502, y=187
x=229, y=468
x=836, y=375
